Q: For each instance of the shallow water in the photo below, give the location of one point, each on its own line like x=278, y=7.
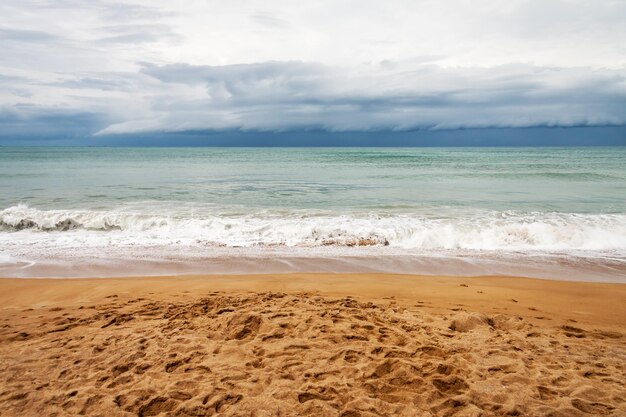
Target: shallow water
x=518, y=211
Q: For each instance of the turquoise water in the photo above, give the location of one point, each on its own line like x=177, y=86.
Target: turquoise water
x=581, y=180
x=437, y=202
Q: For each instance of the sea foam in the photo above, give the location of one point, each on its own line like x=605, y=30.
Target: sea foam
x=476, y=231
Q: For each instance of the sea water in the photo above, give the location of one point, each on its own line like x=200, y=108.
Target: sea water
x=542, y=212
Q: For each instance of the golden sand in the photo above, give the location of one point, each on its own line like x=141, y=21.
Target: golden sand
x=311, y=345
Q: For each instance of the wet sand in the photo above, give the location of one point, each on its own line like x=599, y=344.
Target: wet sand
x=311, y=345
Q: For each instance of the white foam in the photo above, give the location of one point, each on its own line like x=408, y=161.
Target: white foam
x=478, y=231
x=169, y=239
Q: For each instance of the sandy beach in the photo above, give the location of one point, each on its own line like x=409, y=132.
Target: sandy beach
x=311, y=345
x=320, y=209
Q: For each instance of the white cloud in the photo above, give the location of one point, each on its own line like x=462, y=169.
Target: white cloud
x=340, y=65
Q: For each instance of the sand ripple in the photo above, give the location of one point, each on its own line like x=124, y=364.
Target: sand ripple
x=274, y=354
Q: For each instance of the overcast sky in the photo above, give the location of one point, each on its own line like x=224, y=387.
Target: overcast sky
x=93, y=68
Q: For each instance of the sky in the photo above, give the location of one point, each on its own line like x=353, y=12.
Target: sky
x=122, y=72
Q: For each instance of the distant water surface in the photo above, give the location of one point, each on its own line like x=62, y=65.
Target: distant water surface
x=526, y=211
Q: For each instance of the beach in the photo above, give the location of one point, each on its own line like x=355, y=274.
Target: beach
x=351, y=282
x=321, y=209
x=312, y=345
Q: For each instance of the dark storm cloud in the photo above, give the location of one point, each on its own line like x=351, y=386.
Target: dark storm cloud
x=22, y=124
x=288, y=95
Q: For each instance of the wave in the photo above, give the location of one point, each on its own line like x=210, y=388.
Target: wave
x=473, y=231
x=60, y=226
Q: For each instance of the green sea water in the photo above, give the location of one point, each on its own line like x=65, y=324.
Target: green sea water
x=581, y=180
x=476, y=203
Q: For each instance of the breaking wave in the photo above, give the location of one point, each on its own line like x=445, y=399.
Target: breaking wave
x=475, y=231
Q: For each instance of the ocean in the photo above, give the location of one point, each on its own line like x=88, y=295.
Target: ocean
x=538, y=212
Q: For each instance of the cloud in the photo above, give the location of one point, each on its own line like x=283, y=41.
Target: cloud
x=25, y=35
x=29, y=122
x=137, y=34
x=295, y=95
x=269, y=21
x=145, y=66
x=104, y=83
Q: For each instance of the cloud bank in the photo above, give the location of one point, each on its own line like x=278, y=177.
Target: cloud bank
x=87, y=69
x=296, y=95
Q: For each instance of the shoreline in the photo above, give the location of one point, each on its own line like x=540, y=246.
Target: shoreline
x=366, y=260
x=513, y=294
